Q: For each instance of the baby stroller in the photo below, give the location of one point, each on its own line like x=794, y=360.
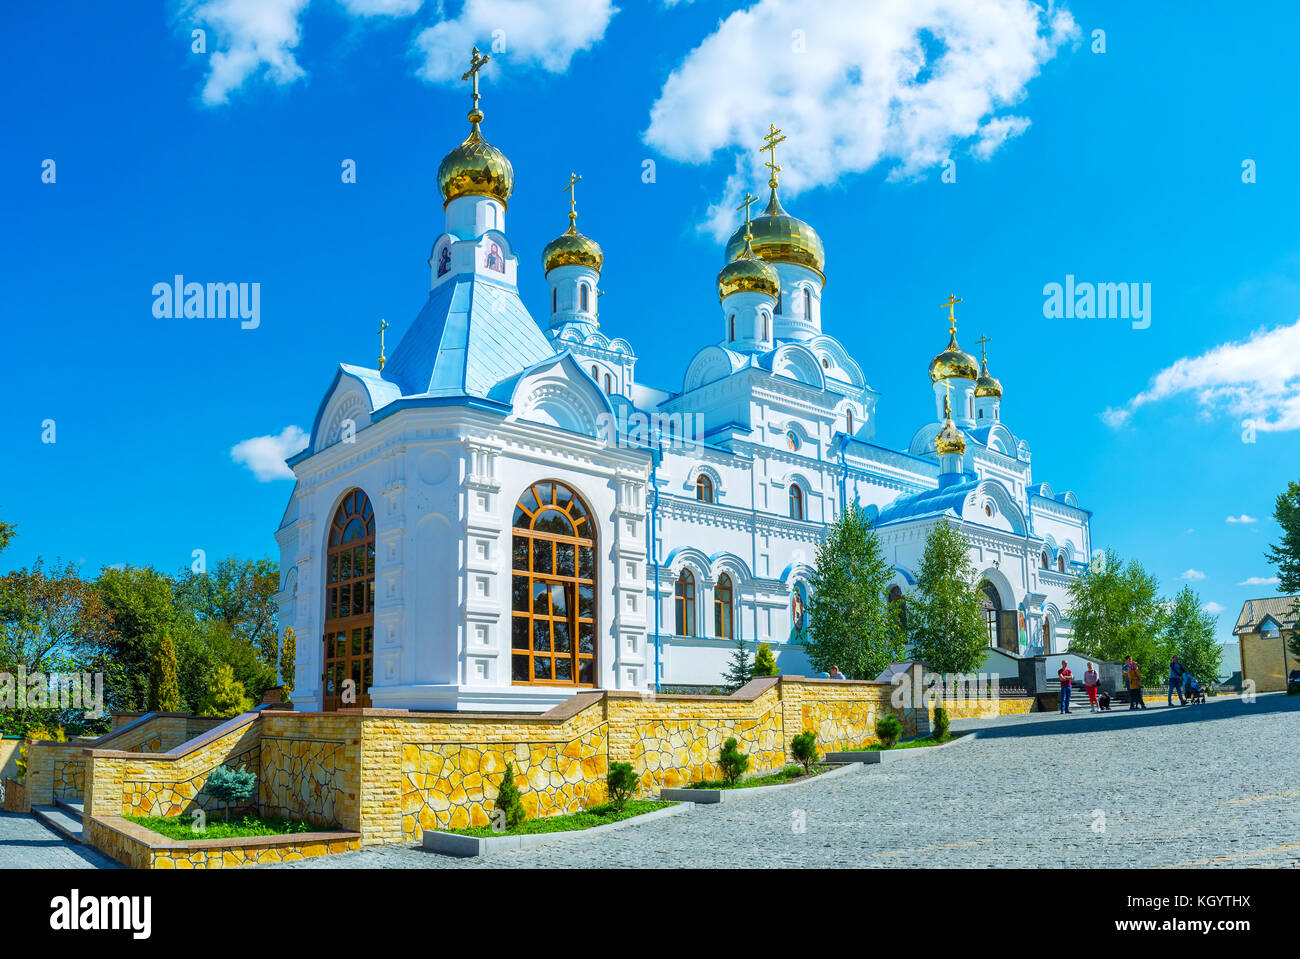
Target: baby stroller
x=1193, y=691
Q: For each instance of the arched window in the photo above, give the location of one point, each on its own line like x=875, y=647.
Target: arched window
x=807, y=303
x=553, y=589
x=350, y=604
x=684, y=601
x=722, y=625
x=1060, y=563
x=898, y=605
x=595, y=373
x=554, y=299
x=1042, y=560
x=732, y=328
x=848, y=421
x=991, y=603
x=609, y=388
x=796, y=501
x=583, y=296
x=764, y=326
x=778, y=301
x=703, y=489
x=1047, y=637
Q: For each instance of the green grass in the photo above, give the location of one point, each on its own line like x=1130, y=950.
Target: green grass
x=914, y=743
x=787, y=775
x=182, y=827
x=593, y=816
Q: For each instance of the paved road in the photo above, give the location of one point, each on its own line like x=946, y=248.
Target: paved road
x=1213, y=785
x=26, y=843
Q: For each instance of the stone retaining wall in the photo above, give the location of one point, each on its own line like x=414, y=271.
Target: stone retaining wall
x=16, y=797
x=133, y=845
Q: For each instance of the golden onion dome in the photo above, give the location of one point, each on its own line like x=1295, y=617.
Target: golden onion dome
x=987, y=385
x=475, y=168
x=571, y=248
x=779, y=237
x=748, y=274
x=949, y=439
x=953, y=362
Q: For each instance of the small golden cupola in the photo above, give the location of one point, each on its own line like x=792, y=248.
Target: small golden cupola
x=476, y=167
x=953, y=362
x=747, y=273
x=986, y=386
x=571, y=248
x=949, y=440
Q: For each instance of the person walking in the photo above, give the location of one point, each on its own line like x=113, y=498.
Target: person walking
x=1090, y=679
x=1134, y=677
x=1176, y=673
x=1066, y=677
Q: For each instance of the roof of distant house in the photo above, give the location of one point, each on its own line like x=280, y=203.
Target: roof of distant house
x=1285, y=610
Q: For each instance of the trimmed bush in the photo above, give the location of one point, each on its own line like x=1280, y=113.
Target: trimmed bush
x=764, y=661
x=941, y=724
x=622, y=782
x=733, y=761
x=508, y=799
x=804, y=748
x=888, y=728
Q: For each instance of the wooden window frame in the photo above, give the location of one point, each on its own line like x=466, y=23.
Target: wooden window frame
x=349, y=640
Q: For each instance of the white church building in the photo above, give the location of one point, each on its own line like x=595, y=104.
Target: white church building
x=502, y=514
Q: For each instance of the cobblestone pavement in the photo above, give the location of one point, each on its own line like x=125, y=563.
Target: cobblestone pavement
x=27, y=843
x=1212, y=785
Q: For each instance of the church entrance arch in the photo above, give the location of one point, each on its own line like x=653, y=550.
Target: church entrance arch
x=350, y=604
x=553, y=612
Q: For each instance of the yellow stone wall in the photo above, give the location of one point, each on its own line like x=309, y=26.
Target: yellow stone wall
x=127, y=843
x=991, y=708
x=1267, y=661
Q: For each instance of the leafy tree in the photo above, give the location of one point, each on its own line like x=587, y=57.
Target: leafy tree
x=288, y=656
x=732, y=760
x=230, y=786
x=740, y=670
x=622, y=782
x=764, y=661
x=1117, y=612
x=1285, y=555
x=1189, y=635
x=7, y=532
x=224, y=696
x=508, y=799
x=804, y=749
x=143, y=607
x=240, y=594
x=850, y=623
x=945, y=617
x=164, y=689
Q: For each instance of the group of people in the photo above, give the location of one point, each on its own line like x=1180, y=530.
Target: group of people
x=1180, y=681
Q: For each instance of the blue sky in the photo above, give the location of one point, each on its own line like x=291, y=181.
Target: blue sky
x=1122, y=166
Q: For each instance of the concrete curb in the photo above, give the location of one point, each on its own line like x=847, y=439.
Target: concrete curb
x=456, y=844
x=708, y=797
x=875, y=756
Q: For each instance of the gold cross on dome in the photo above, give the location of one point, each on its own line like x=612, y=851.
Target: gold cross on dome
x=476, y=62
x=745, y=204
x=983, y=343
x=770, y=141
x=571, y=189
x=952, y=318
x=383, y=325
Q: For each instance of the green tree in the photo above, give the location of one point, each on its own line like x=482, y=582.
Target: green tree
x=739, y=670
x=1285, y=554
x=143, y=608
x=764, y=661
x=240, y=594
x=1189, y=635
x=1117, y=611
x=850, y=623
x=509, y=801
x=288, y=656
x=622, y=782
x=944, y=614
x=804, y=749
x=7, y=532
x=164, y=689
x=231, y=787
x=224, y=696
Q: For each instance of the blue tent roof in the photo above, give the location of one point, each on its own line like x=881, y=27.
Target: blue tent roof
x=471, y=334
x=934, y=502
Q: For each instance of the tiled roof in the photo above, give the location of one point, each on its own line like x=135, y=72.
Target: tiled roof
x=1281, y=608
x=933, y=502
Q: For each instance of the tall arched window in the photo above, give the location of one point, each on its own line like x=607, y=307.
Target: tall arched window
x=722, y=625
x=1042, y=560
x=553, y=589
x=732, y=327
x=764, y=326
x=807, y=303
x=796, y=501
x=703, y=489
x=350, y=604
x=848, y=421
x=553, y=299
x=684, y=601
x=583, y=296
x=595, y=373
x=609, y=385
x=1047, y=637
x=1060, y=563
x=991, y=604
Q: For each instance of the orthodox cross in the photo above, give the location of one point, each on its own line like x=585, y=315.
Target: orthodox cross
x=769, y=145
x=383, y=325
x=983, y=343
x=745, y=205
x=476, y=62
x=952, y=319
x=573, y=199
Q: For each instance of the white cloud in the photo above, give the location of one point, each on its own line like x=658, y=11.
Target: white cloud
x=1259, y=581
x=854, y=83
x=265, y=455
x=381, y=8
x=1256, y=379
x=535, y=33
x=1243, y=518
x=1192, y=574
x=1213, y=608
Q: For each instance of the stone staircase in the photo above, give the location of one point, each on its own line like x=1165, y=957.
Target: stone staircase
x=64, y=817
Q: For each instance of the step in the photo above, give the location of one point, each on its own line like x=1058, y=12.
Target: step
x=60, y=820
x=74, y=807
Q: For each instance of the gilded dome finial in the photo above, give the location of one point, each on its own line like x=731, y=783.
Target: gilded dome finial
x=986, y=385
x=572, y=190
x=770, y=141
x=476, y=63
x=476, y=167
x=745, y=204
x=953, y=361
